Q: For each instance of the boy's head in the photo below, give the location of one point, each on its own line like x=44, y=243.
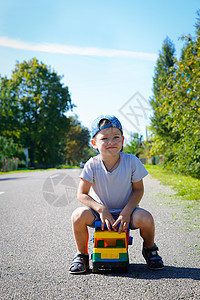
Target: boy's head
x=103, y=122
x=104, y=129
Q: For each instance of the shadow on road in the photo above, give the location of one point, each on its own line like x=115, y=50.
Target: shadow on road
x=11, y=178
x=140, y=271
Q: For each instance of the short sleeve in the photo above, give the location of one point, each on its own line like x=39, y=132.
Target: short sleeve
x=88, y=172
x=138, y=170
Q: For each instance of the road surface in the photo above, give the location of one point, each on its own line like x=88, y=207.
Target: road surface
x=37, y=244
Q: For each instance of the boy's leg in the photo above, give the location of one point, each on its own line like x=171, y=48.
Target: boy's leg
x=144, y=221
x=81, y=218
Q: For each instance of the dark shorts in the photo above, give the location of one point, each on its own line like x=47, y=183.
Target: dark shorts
x=115, y=216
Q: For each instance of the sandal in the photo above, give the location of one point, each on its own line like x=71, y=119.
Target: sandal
x=154, y=261
x=80, y=264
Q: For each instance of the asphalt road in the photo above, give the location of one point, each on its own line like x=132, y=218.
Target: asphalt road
x=37, y=245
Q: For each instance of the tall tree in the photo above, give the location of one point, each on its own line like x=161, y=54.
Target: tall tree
x=41, y=101
x=9, y=112
x=164, y=63
x=180, y=110
x=183, y=108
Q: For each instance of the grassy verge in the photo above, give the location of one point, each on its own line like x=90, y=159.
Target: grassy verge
x=24, y=171
x=187, y=188
x=187, y=196
x=33, y=170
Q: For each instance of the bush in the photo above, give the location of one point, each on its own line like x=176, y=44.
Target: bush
x=22, y=164
x=9, y=149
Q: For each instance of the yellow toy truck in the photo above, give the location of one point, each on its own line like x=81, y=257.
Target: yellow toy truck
x=110, y=252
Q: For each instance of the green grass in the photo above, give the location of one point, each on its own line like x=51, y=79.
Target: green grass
x=23, y=171
x=186, y=187
x=33, y=170
x=186, y=198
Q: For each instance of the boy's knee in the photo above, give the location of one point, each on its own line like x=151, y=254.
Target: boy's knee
x=76, y=215
x=143, y=218
x=149, y=219
x=79, y=215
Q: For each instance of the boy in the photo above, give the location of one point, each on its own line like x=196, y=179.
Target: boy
x=111, y=187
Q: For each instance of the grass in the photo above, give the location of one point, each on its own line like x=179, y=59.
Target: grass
x=23, y=171
x=186, y=198
x=186, y=187
x=33, y=170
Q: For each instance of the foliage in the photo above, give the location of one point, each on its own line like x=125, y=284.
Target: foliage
x=134, y=144
x=76, y=143
x=176, y=121
x=33, y=104
x=158, y=147
x=22, y=164
x=9, y=149
x=162, y=71
x=9, y=112
x=89, y=152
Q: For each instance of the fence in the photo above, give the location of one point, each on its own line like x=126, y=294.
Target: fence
x=155, y=160
x=8, y=164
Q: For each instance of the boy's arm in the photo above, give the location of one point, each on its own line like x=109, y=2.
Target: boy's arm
x=83, y=197
x=134, y=200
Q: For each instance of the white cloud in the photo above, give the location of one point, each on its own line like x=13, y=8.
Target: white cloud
x=71, y=50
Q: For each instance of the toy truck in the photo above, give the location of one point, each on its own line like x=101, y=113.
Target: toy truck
x=110, y=252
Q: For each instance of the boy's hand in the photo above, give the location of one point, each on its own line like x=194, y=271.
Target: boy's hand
x=106, y=218
x=124, y=221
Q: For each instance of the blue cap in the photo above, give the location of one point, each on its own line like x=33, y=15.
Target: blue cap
x=114, y=122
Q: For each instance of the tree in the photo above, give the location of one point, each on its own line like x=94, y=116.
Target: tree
x=76, y=143
x=37, y=102
x=133, y=147
x=9, y=117
x=163, y=70
x=183, y=109
x=180, y=111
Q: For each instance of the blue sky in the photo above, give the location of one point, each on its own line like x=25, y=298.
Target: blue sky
x=106, y=50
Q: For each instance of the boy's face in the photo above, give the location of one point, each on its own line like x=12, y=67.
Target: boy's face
x=108, y=141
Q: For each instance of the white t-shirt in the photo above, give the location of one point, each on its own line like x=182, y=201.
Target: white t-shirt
x=113, y=189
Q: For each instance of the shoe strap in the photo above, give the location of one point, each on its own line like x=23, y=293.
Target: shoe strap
x=154, y=248
x=81, y=256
